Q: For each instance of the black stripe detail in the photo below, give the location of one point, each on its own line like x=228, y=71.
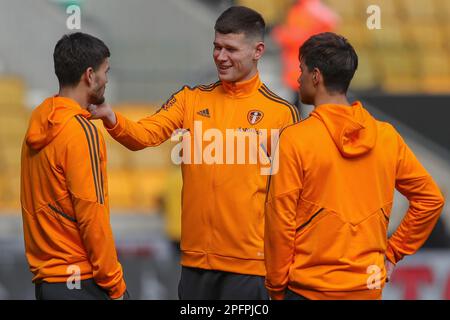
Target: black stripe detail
x=275, y=96
x=97, y=157
x=307, y=222
x=210, y=87
x=385, y=215
x=91, y=157
x=278, y=101
x=62, y=213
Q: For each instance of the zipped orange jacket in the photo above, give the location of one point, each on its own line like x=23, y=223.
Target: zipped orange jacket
x=64, y=198
x=328, y=207
x=222, y=201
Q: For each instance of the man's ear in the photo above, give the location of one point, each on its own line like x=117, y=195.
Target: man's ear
x=89, y=76
x=259, y=50
x=316, y=76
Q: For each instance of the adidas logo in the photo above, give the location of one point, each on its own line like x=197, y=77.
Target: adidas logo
x=204, y=113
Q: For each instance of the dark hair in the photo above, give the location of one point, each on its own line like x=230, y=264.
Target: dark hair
x=240, y=19
x=334, y=56
x=76, y=52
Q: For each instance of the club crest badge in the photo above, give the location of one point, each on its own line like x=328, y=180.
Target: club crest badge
x=254, y=116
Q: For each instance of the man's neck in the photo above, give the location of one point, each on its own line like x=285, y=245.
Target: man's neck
x=339, y=99
x=74, y=94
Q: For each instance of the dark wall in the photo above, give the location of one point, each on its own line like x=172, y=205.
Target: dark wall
x=427, y=114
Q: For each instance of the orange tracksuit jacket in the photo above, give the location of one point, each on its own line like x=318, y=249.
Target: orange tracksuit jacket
x=328, y=207
x=64, y=198
x=222, y=204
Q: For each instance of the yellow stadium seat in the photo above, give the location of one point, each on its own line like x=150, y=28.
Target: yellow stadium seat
x=120, y=190
x=388, y=9
x=399, y=70
x=347, y=10
x=148, y=186
x=10, y=190
x=12, y=128
x=443, y=10
x=12, y=92
x=435, y=71
x=390, y=36
x=118, y=156
x=419, y=11
x=10, y=156
x=356, y=32
x=365, y=77
x=273, y=11
x=430, y=36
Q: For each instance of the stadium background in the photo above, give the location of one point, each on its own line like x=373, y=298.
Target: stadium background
x=160, y=45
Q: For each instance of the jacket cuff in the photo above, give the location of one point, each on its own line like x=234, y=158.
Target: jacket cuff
x=118, y=290
x=390, y=255
x=117, y=129
x=276, y=295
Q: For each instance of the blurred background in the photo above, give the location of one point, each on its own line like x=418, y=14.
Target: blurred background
x=157, y=47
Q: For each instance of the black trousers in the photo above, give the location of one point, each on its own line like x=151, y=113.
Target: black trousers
x=291, y=295
x=89, y=290
x=200, y=284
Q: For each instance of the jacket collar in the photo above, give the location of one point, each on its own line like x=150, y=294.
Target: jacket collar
x=244, y=88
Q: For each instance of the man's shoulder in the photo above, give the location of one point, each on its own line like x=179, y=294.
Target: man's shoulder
x=276, y=103
x=78, y=127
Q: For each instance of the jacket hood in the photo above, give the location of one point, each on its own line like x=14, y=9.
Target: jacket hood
x=49, y=118
x=352, y=129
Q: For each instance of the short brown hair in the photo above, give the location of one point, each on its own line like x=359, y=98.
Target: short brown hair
x=334, y=56
x=240, y=19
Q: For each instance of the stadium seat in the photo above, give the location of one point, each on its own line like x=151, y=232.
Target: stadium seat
x=120, y=190
x=366, y=76
x=420, y=11
x=348, y=10
x=12, y=91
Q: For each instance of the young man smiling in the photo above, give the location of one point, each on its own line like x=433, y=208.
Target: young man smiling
x=223, y=204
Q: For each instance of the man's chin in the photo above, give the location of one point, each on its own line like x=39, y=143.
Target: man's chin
x=225, y=77
x=97, y=100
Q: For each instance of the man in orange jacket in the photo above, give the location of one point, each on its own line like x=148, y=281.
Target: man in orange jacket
x=328, y=207
x=64, y=193
x=223, y=197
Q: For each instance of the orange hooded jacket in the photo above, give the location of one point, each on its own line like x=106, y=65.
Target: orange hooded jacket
x=64, y=198
x=328, y=207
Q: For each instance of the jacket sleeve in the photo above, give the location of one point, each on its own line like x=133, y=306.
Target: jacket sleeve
x=84, y=178
x=153, y=130
x=425, y=205
x=284, y=191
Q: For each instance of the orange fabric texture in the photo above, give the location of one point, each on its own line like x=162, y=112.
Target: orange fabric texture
x=64, y=198
x=222, y=204
x=328, y=207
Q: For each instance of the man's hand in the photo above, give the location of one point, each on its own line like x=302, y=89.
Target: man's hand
x=389, y=269
x=104, y=112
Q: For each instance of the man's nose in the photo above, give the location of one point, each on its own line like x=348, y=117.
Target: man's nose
x=222, y=55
